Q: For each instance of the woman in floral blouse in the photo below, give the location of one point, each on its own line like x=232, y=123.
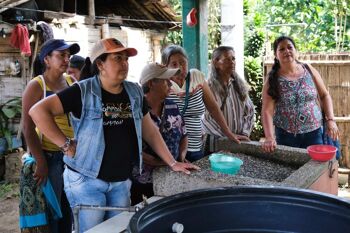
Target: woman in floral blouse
x=155, y=80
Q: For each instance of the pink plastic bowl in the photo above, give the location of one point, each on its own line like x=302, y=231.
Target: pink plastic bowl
x=321, y=153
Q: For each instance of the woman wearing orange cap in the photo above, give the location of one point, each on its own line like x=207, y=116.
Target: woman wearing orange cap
x=110, y=118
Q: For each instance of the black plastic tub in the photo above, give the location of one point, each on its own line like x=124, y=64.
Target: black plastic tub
x=245, y=209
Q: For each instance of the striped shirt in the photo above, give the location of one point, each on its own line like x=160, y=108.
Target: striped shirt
x=195, y=108
x=62, y=120
x=238, y=114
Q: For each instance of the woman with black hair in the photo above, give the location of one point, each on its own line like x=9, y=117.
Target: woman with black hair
x=293, y=97
x=110, y=118
x=51, y=66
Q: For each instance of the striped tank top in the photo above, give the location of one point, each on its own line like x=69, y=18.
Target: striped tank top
x=62, y=120
x=195, y=108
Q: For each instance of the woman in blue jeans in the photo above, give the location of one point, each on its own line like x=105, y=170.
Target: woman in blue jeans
x=292, y=98
x=110, y=118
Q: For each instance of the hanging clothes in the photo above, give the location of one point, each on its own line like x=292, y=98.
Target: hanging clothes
x=20, y=39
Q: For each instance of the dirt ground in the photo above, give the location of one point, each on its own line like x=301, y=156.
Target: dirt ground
x=9, y=216
x=9, y=212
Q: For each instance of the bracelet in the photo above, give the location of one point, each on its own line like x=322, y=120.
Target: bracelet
x=173, y=164
x=330, y=119
x=65, y=146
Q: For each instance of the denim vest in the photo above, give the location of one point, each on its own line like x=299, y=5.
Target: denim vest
x=88, y=130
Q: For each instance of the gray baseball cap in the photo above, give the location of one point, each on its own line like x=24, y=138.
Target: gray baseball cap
x=158, y=71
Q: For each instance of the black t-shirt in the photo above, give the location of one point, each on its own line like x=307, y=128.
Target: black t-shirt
x=121, y=150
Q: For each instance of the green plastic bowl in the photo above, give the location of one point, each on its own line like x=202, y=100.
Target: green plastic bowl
x=224, y=163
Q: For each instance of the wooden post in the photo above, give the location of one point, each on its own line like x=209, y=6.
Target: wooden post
x=91, y=8
x=105, y=30
x=195, y=39
x=61, y=5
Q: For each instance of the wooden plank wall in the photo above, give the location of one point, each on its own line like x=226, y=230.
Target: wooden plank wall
x=12, y=86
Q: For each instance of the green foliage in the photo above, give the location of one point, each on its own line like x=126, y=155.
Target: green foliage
x=254, y=47
x=253, y=75
x=214, y=25
x=174, y=36
x=8, y=190
x=254, y=41
x=8, y=111
x=325, y=26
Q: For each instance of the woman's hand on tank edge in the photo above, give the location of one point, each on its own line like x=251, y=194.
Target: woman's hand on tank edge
x=242, y=137
x=238, y=138
x=184, y=167
x=269, y=145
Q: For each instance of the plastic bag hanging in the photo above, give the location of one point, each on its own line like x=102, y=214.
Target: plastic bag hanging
x=191, y=18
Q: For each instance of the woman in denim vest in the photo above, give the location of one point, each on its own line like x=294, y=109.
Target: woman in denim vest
x=290, y=101
x=110, y=118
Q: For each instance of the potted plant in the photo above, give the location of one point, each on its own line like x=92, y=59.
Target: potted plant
x=9, y=111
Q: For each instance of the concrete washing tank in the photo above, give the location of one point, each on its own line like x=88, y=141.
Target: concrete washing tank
x=285, y=167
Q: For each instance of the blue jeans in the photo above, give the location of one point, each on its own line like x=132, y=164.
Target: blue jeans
x=83, y=190
x=299, y=140
x=56, y=167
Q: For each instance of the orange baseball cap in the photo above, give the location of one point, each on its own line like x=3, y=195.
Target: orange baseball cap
x=109, y=45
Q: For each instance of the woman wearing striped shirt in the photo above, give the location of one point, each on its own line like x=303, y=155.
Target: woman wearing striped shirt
x=231, y=94
x=191, y=93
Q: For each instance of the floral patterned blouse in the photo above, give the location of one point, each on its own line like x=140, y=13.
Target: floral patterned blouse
x=172, y=128
x=298, y=110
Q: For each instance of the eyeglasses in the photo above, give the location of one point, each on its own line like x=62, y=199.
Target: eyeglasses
x=120, y=57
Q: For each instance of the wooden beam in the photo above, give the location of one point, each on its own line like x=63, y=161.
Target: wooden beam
x=91, y=4
x=142, y=9
x=61, y=17
x=50, y=15
x=6, y=4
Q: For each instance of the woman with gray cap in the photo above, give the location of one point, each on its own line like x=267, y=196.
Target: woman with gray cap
x=54, y=56
x=110, y=118
x=155, y=81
